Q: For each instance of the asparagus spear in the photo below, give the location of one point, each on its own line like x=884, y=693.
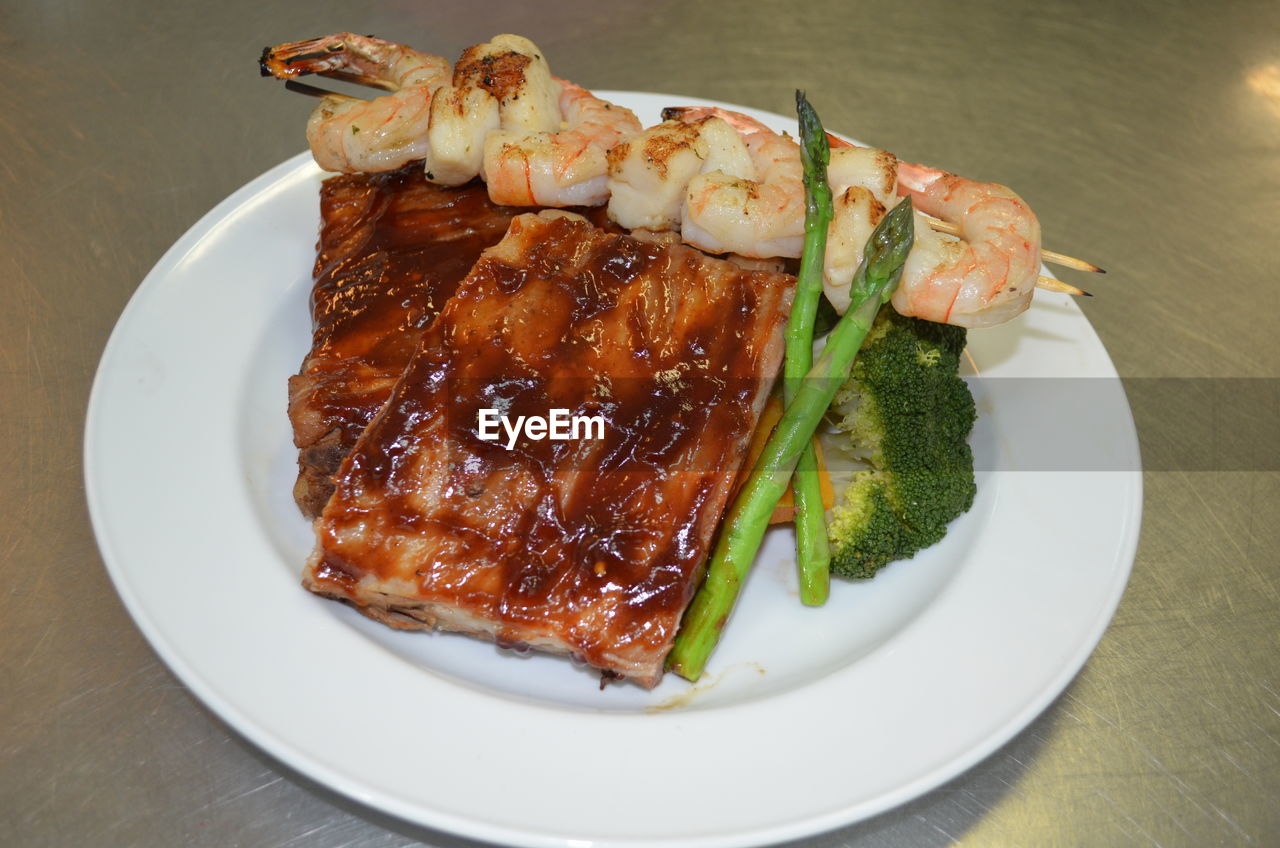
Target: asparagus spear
x=748, y=518
x=813, y=555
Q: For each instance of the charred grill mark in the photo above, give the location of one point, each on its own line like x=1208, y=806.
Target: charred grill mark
x=501, y=74
x=618, y=154
x=660, y=147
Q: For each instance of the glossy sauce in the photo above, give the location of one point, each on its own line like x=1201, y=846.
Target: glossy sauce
x=392, y=250
x=595, y=544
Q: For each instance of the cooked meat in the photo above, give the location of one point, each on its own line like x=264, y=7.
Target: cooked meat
x=589, y=546
x=392, y=250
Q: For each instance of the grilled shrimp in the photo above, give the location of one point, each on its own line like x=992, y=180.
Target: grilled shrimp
x=986, y=277
x=863, y=184
x=534, y=138
x=514, y=71
x=759, y=217
x=348, y=134
x=565, y=168
x=502, y=84
x=460, y=119
x=982, y=279
x=649, y=174
x=653, y=185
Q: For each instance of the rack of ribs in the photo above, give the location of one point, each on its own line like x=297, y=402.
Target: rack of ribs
x=589, y=547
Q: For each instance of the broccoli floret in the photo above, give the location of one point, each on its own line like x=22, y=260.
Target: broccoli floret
x=907, y=414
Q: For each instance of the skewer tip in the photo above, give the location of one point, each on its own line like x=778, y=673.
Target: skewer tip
x=1056, y=285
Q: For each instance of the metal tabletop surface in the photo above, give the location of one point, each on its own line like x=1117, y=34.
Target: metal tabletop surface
x=1145, y=134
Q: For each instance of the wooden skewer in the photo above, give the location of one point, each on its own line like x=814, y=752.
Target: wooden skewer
x=1070, y=262
x=1050, y=284
x=1048, y=255
x=315, y=91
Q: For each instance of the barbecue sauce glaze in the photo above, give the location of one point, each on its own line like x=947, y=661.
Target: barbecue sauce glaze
x=590, y=546
x=392, y=250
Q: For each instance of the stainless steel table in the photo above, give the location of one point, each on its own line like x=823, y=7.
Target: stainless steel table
x=1146, y=135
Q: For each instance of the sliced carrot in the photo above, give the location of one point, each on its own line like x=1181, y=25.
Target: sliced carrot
x=785, y=511
x=769, y=418
x=824, y=477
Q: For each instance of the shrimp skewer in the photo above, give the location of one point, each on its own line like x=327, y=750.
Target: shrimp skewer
x=351, y=135
x=765, y=217
x=735, y=210
x=539, y=140
x=985, y=277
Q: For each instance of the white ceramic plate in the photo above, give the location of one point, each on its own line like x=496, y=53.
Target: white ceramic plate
x=808, y=719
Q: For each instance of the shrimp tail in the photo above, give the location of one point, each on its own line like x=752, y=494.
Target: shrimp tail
x=299, y=58
x=917, y=179
x=349, y=134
